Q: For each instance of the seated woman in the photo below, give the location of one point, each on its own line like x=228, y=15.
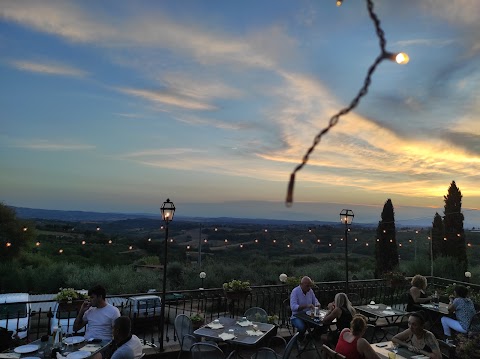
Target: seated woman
x=416, y=294
x=464, y=311
x=417, y=339
x=342, y=310
x=350, y=342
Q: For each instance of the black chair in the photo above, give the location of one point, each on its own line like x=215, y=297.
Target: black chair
x=184, y=331
x=330, y=353
x=265, y=353
x=474, y=328
x=256, y=314
x=203, y=350
x=278, y=344
x=288, y=349
x=286, y=314
x=5, y=339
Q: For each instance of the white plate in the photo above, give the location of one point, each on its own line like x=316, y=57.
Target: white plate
x=308, y=312
x=29, y=348
x=81, y=354
x=74, y=340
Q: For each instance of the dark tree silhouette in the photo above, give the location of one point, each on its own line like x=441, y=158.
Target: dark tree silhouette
x=14, y=233
x=453, y=225
x=386, y=253
x=438, y=234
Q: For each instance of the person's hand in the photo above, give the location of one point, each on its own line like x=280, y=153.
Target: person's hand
x=331, y=306
x=413, y=349
x=85, y=306
x=311, y=307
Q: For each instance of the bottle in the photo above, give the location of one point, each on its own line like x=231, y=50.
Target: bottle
x=435, y=300
x=55, y=337
x=60, y=336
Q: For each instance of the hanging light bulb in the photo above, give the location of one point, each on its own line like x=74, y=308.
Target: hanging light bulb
x=402, y=58
x=339, y=2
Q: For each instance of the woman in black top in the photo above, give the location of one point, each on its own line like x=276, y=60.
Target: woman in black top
x=342, y=310
x=416, y=294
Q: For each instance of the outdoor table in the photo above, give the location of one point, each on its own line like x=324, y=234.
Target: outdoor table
x=392, y=316
x=44, y=348
x=312, y=322
x=384, y=348
x=241, y=337
x=435, y=315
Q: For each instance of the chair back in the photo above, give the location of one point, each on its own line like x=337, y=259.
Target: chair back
x=203, y=350
x=330, y=353
x=474, y=328
x=256, y=314
x=278, y=344
x=291, y=343
x=264, y=353
x=183, y=326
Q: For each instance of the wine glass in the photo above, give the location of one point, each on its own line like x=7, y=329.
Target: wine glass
x=395, y=348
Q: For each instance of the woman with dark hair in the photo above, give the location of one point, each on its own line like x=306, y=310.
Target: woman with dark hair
x=464, y=311
x=417, y=339
x=351, y=344
x=416, y=294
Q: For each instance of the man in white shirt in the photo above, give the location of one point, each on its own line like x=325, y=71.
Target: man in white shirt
x=98, y=314
x=126, y=345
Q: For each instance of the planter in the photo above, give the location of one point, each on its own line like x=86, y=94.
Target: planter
x=237, y=295
x=197, y=324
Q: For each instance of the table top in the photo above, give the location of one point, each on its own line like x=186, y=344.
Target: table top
x=383, y=348
x=44, y=348
x=442, y=307
x=316, y=321
x=380, y=310
x=240, y=332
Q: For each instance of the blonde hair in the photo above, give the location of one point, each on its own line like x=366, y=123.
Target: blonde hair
x=419, y=281
x=358, y=324
x=341, y=301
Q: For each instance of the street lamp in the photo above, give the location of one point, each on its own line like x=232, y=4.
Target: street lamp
x=203, y=275
x=167, y=210
x=346, y=217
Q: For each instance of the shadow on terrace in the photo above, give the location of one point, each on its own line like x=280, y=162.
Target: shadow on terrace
x=42, y=315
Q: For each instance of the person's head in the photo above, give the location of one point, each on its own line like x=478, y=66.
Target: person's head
x=341, y=300
x=358, y=325
x=416, y=322
x=122, y=327
x=97, y=295
x=306, y=284
x=461, y=291
x=419, y=281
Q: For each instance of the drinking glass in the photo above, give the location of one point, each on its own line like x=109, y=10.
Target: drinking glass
x=395, y=348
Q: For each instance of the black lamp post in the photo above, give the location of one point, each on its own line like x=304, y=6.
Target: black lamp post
x=167, y=210
x=346, y=217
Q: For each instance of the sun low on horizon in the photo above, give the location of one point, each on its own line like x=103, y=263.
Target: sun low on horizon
x=118, y=105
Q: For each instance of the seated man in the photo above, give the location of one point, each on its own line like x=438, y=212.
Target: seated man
x=125, y=345
x=98, y=314
x=302, y=298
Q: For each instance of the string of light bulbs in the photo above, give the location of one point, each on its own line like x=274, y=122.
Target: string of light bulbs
x=400, y=58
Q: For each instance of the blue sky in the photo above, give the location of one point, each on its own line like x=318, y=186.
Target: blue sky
x=117, y=105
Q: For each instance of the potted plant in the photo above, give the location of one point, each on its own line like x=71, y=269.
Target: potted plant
x=197, y=320
x=236, y=289
x=468, y=347
x=395, y=279
x=69, y=295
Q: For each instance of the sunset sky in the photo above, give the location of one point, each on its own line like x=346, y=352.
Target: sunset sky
x=119, y=105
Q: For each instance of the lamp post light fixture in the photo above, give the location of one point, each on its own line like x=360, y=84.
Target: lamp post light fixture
x=346, y=217
x=203, y=275
x=468, y=275
x=167, y=210
x=283, y=278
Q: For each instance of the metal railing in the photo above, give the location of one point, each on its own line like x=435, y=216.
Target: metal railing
x=213, y=303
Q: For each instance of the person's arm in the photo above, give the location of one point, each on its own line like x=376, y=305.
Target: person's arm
x=79, y=323
x=402, y=337
x=331, y=315
x=451, y=306
x=416, y=293
x=294, y=306
x=366, y=350
x=432, y=342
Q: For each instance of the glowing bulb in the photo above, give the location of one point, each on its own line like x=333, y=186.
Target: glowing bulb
x=171, y=240
x=83, y=242
x=110, y=241
x=130, y=247
x=149, y=239
x=288, y=245
x=60, y=251
x=339, y=2
x=301, y=240
x=241, y=245
x=402, y=58
x=226, y=240
x=256, y=240
x=366, y=244
x=9, y=244
x=37, y=244
x=318, y=240
x=274, y=241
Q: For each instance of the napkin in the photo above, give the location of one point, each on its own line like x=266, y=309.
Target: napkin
x=245, y=323
x=388, y=312
x=256, y=333
x=421, y=356
x=10, y=355
x=226, y=336
x=91, y=347
x=372, y=306
x=215, y=325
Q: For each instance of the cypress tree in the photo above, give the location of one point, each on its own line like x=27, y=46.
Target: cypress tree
x=437, y=237
x=453, y=225
x=386, y=252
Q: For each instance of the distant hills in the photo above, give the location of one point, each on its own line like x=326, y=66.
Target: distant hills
x=84, y=216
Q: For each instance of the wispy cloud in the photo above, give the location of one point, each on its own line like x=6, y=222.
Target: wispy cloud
x=226, y=125
x=168, y=98
x=48, y=69
x=424, y=42
x=48, y=145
